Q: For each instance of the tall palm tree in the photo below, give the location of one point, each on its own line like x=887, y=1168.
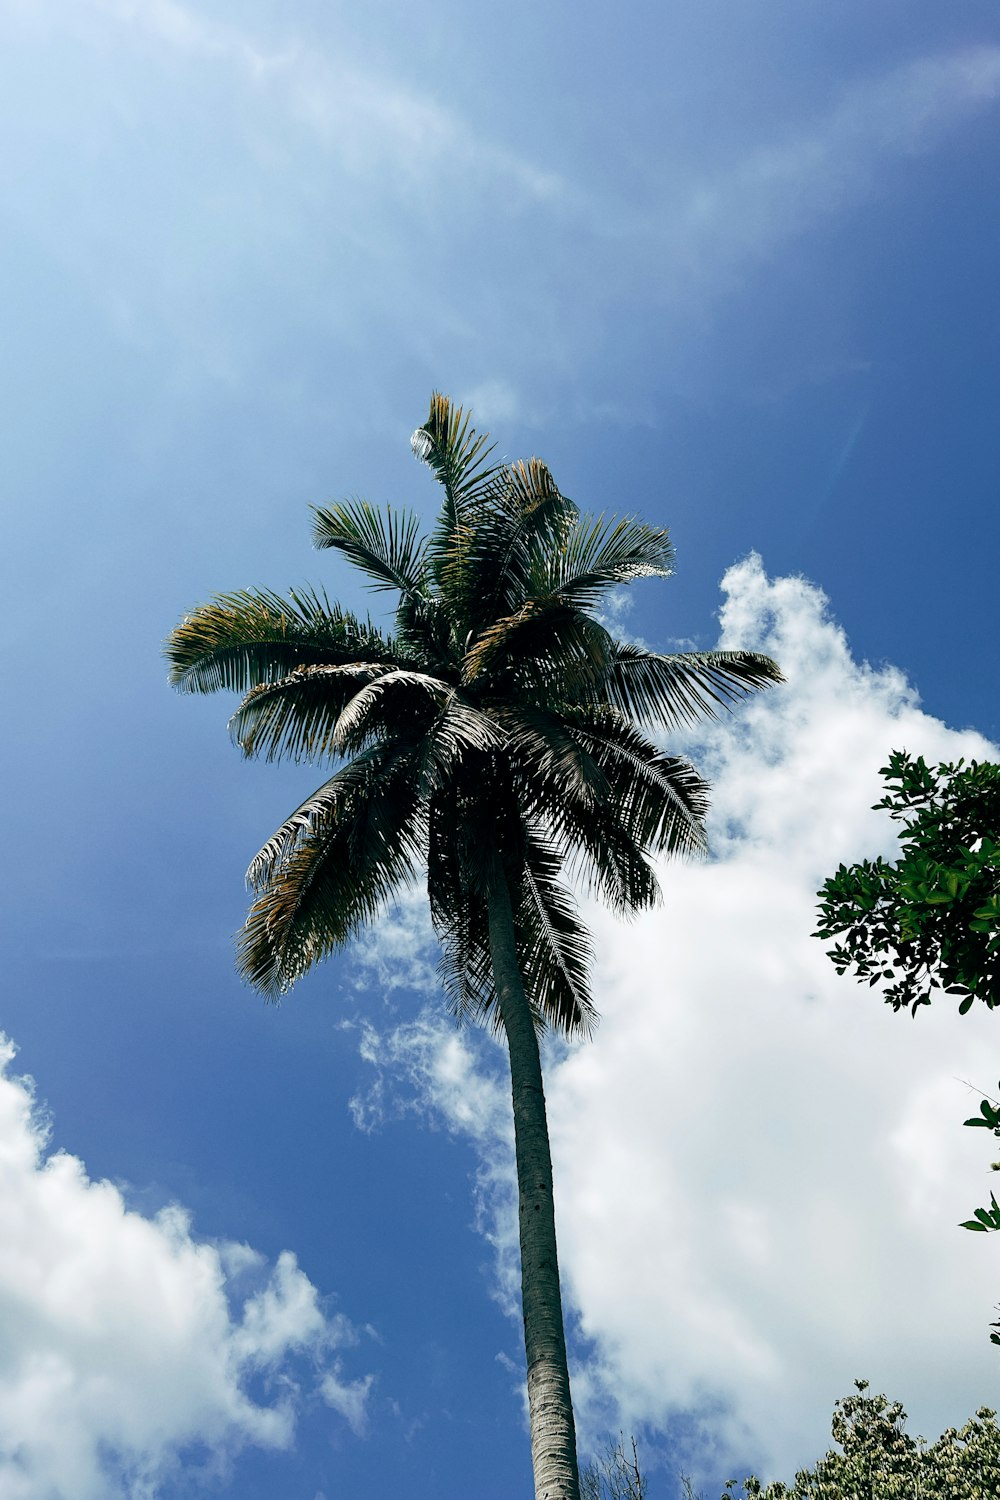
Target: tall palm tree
x=491, y=741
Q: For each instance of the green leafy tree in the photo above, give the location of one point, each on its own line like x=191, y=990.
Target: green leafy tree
x=877, y=1459
x=489, y=739
x=930, y=920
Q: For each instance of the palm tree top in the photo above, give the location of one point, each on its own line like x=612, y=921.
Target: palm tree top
x=497, y=721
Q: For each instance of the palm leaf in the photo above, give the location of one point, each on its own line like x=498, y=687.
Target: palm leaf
x=323, y=808
x=385, y=546
x=386, y=705
x=541, y=647
x=358, y=850
x=551, y=763
x=672, y=691
x=298, y=716
x=242, y=639
x=659, y=799
x=523, y=513
x=449, y=444
x=554, y=947
x=598, y=554
x=605, y=855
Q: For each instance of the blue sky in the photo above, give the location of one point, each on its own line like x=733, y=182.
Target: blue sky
x=731, y=267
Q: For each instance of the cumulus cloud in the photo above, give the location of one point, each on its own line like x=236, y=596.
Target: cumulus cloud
x=128, y=1343
x=759, y=1168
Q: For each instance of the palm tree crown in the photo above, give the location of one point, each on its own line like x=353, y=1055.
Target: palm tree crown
x=497, y=721
x=498, y=739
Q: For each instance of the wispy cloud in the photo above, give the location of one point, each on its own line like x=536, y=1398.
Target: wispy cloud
x=371, y=120
x=747, y=209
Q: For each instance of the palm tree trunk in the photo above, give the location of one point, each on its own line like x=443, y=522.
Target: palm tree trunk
x=550, y=1406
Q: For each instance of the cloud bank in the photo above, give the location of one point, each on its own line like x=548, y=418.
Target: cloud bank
x=759, y=1168
x=129, y=1345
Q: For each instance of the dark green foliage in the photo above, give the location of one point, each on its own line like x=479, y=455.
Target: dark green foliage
x=876, y=1459
x=931, y=920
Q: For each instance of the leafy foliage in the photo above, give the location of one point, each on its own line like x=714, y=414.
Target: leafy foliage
x=931, y=921
x=497, y=719
x=877, y=1459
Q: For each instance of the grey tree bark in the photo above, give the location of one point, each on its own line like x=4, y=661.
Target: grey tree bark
x=550, y=1406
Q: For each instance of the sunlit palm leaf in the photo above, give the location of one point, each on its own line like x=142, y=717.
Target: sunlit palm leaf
x=525, y=515
x=541, y=645
x=243, y=639
x=325, y=806
x=394, y=702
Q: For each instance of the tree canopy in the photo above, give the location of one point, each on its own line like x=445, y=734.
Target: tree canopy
x=930, y=920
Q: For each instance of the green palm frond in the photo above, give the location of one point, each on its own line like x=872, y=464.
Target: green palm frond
x=297, y=716
x=324, y=807
x=460, y=458
x=449, y=444
x=600, y=553
x=554, y=947
x=457, y=895
x=526, y=514
x=551, y=763
x=460, y=739
x=603, y=853
x=672, y=691
x=398, y=701
x=386, y=546
x=659, y=799
x=544, y=644
x=242, y=639
x=343, y=866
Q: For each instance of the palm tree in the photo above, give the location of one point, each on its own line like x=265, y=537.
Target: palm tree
x=491, y=741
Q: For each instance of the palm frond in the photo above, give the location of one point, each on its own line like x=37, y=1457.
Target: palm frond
x=324, y=807
x=457, y=896
x=460, y=458
x=386, y=546
x=554, y=947
x=550, y=762
x=660, y=800
x=608, y=859
x=395, y=702
x=600, y=553
x=242, y=639
x=672, y=691
x=449, y=444
x=545, y=646
x=523, y=513
x=339, y=874
x=297, y=716
x=461, y=738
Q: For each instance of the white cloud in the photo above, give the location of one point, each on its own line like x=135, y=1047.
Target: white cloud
x=759, y=1168
x=127, y=1341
